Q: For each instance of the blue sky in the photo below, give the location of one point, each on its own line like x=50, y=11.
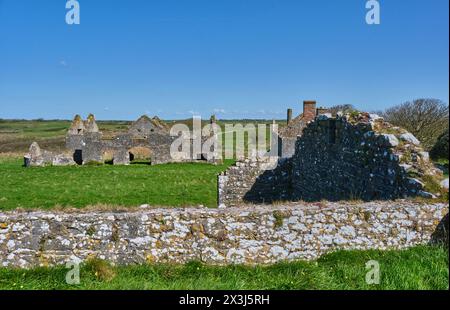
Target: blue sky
x=235, y=58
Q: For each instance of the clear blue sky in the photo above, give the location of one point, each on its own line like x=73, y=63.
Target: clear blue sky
x=235, y=58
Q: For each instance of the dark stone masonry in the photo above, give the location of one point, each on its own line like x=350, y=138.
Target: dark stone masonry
x=348, y=161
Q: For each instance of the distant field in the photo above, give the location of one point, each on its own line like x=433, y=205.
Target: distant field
x=419, y=268
x=79, y=186
x=17, y=135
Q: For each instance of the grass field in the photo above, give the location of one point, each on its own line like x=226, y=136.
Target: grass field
x=420, y=268
x=79, y=186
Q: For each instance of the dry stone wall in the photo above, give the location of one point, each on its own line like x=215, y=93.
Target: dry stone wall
x=248, y=235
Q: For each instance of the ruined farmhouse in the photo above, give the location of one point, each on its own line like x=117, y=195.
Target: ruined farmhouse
x=287, y=136
x=85, y=144
x=357, y=156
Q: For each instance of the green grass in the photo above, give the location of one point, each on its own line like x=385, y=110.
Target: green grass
x=80, y=186
x=422, y=268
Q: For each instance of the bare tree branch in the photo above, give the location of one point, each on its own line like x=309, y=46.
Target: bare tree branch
x=426, y=119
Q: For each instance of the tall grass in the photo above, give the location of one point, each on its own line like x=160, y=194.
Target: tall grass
x=420, y=268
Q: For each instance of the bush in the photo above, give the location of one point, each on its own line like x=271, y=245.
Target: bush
x=440, y=149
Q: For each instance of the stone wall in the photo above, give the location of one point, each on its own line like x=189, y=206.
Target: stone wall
x=145, y=132
x=368, y=159
x=352, y=157
x=38, y=157
x=247, y=235
x=264, y=180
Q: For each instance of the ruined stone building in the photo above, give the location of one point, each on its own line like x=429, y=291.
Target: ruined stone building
x=343, y=157
x=287, y=136
x=85, y=144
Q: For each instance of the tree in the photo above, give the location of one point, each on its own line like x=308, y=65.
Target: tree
x=426, y=119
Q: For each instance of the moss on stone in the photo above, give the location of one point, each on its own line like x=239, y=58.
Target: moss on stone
x=91, y=230
x=278, y=219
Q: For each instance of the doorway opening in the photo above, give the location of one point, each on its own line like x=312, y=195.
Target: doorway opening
x=78, y=157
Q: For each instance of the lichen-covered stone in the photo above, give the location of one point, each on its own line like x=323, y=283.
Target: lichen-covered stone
x=248, y=234
x=391, y=140
x=409, y=137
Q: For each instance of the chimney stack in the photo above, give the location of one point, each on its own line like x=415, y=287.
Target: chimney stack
x=309, y=110
x=289, y=116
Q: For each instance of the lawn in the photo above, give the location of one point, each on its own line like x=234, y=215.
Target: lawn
x=133, y=185
x=422, y=267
